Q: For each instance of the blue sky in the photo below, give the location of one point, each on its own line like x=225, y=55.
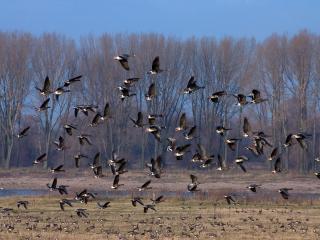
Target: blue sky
x=179, y=18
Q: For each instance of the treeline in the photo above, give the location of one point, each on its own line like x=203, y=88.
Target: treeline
x=285, y=69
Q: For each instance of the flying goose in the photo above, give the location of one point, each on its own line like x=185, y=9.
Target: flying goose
x=273, y=154
x=139, y=122
x=240, y=160
x=216, y=96
x=242, y=99
x=135, y=200
x=62, y=189
x=63, y=202
x=157, y=200
x=253, y=187
x=301, y=137
x=84, y=138
x=144, y=186
x=289, y=141
x=285, y=192
x=151, y=92
x=121, y=169
x=181, y=150
x=152, y=118
x=277, y=166
x=57, y=169
x=98, y=172
x=116, y=184
x=44, y=106
x=194, y=183
x=123, y=60
x=46, y=87
x=155, y=131
x=70, y=81
x=96, y=161
x=192, y=86
x=155, y=69
x=182, y=123
x=130, y=81
x=147, y=207
x=77, y=158
x=40, y=159
x=230, y=199
x=114, y=159
x=221, y=164
x=53, y=185
x=204, y=158
x=103, y=205
x=81, y=212
x=155, y=167
x=23, y=133
x=69, y=128
x=84, y=109
x=256, y=97
x=95, y=120
x=59, y=91
x=171, y=144
x=190, y=135
x=246, y=127
x=84, y=196
x=232, y=143
x=23, y=203
x=317, y=174
x=125, y=93
x=222, y=130
x=106, y=113
x=59, y=144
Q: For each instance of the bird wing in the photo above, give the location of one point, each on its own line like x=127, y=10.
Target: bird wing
x=182, y=121
x=24, y=131
x=46, y=85
x=156, y=64
x=194, y=179
x=146, y=184
x=45, y=103
x=124, y=63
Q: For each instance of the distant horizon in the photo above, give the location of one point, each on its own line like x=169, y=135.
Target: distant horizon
x=207, y=18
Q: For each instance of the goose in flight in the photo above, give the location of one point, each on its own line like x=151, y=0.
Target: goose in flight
x=40, y=159
x=23, y=133
x=44, y=106
x=192, y=86
x=69, y=128
x=123, y=60
x=256, y=97
x=144, y=186
x=194, y=183
x=155, y=69
x=70, y=81
x=215, y=97
x=45, y=90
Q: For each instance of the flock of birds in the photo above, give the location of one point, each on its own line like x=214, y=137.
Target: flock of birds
x=118, y=166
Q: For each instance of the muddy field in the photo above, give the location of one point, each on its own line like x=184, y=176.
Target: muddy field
x=183, y=215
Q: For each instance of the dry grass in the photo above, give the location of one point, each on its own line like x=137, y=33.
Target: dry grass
x=174, y=219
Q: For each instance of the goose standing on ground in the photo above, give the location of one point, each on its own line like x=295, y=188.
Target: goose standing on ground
x=23, y=133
